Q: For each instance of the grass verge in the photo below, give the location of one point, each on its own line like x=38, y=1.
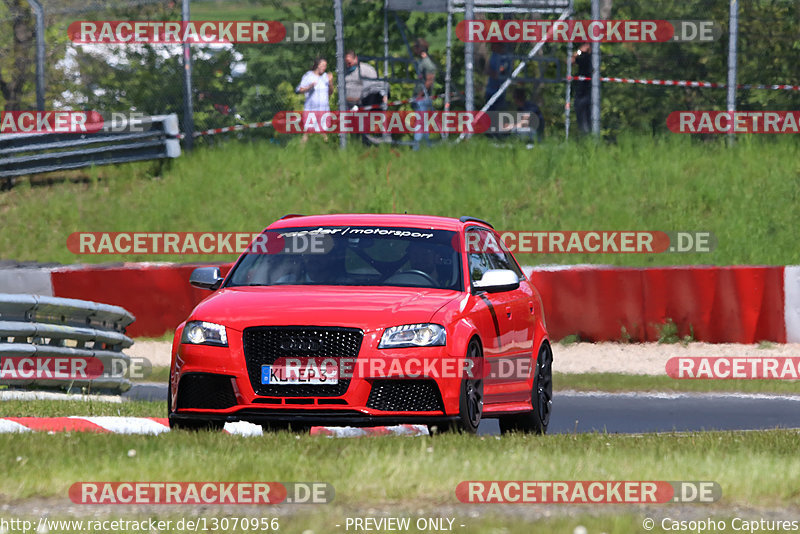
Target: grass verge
x=407, y=472
x=669, y=184
x=46, y=408
x=615, y=382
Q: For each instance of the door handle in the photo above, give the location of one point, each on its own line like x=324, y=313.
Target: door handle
x=530, y=307
x=508, y=312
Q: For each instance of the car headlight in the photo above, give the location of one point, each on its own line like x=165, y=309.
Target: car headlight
x=204, y=333
x=413, y=335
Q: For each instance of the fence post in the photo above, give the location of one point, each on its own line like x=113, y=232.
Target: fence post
x=469, y=53
x=568, y=95
x=338, y=21
x=733, y=37
x=38, y=11
x=188, y=117
x=595, y=74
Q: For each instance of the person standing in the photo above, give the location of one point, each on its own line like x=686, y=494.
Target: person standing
x=423, y=90
x=363, y=89
x=498, y=68
x=583, y=89
x=534, y=122
x=362, y=86
x=316, y=86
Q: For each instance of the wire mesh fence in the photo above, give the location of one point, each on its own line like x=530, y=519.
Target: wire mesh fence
x=240, y=83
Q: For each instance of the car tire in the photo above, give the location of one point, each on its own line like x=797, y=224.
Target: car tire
x=470, y=403
x=536, y=420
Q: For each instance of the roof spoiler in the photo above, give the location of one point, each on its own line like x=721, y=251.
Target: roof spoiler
x=465, y=219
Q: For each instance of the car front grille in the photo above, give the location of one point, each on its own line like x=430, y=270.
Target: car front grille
x=265, y=344
x=205, y=391
x=405, y=396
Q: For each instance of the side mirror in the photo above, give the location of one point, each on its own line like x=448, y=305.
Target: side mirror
x=206, y=278
x=497, y=280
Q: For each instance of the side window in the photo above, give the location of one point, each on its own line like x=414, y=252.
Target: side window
x=487, y=251
x=504, y=260
x=477, y=241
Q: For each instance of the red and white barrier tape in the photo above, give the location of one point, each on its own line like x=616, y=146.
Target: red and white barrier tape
x=235, y=128
x=686, y=83
x=158, y=425
x=265, y=124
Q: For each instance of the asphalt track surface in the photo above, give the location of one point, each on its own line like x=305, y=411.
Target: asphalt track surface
x=634, y=413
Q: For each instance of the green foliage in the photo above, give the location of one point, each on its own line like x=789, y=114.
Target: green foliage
x=668, y=333
x=769, y=44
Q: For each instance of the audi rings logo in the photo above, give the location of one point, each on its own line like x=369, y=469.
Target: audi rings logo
x=300, y=344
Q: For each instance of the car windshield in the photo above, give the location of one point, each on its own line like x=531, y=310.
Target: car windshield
x=351, y=256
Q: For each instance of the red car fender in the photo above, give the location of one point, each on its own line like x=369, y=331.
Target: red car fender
x=175, y=367
x=463, y=331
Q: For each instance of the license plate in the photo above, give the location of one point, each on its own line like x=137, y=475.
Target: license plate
x=275, y=375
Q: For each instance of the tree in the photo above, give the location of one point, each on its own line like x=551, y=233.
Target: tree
x=16, y=67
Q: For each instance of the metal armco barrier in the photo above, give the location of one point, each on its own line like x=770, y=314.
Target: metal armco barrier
x=23, y=154
x=33, y=326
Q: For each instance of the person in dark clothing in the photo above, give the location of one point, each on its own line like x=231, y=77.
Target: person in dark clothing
x=583, y=89
x=422, y=101
x=498, y=68
x=536, y=120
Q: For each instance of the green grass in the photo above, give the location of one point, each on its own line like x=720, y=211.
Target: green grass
x=753, y=468
x=747, y=196
x=43, y=408
x=614, y=382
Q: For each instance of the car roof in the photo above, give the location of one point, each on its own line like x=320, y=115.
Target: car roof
x=431, y=222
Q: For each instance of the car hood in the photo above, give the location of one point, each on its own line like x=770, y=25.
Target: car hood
x=368, y=308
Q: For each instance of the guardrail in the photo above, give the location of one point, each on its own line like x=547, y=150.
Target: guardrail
x=33, y=153
x=34, y=328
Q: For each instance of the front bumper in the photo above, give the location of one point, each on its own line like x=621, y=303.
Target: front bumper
x=354, y=407
x=312, y=418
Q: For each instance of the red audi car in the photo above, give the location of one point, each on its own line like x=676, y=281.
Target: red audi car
x=366, y=320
